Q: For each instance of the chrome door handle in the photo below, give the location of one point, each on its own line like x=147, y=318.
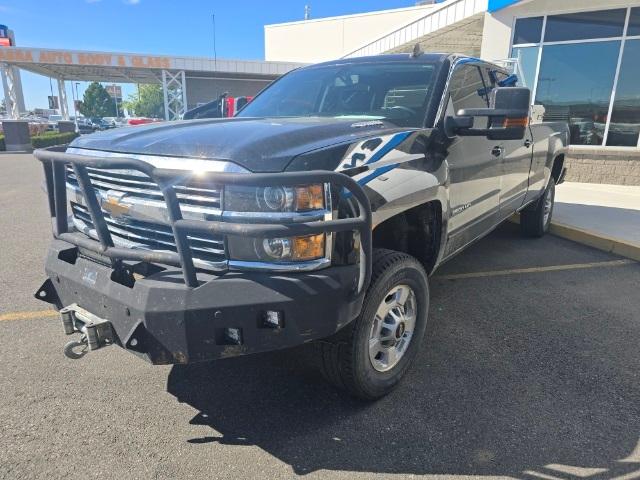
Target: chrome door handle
x=527, y=143
x=496, y=151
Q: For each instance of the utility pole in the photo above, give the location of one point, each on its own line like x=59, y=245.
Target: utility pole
x=307, y=12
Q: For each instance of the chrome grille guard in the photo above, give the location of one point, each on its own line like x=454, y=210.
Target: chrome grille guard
x=54, y=160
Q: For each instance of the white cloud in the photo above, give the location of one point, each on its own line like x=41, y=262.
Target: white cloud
x=132, y=2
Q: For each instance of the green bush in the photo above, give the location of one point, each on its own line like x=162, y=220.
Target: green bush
x=49, y=139
x=3, y=147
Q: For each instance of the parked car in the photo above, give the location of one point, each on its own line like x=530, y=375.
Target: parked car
x=223, y=106
x=101, y=124
x=85, y=125
x=316, y=214
x=142, y=120
x=52, y=124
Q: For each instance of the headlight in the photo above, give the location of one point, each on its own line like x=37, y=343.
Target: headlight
x=278, y=250
x=274, y=198
x=258, y=203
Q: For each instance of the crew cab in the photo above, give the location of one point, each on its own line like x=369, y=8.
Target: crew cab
x=315, y=215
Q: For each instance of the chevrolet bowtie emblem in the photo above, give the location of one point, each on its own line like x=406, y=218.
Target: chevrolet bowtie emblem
x=114, y=206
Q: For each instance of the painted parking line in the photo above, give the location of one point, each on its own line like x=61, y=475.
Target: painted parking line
x=30, y=315
x=551, y=268
x=27, y=315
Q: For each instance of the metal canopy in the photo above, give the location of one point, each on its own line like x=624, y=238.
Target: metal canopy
x=135, y=68
x=115, y=67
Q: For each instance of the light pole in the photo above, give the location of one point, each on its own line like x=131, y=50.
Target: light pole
x=115, y=99
x=75, y=111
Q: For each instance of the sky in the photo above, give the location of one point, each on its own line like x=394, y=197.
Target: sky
x=176, y=27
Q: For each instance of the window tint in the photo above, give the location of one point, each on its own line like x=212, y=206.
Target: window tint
x=397, y=92
x=634, y=22
x=408, y=96
x=573, y=91
x=527, y=63
x=625, y=116
x=467, y=88
x=528, y=30
x=584, y=25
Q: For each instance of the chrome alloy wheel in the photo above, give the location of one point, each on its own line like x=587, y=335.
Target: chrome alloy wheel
x=392, y=328
x=548, y=205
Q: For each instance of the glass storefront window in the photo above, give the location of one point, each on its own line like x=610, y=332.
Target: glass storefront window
x=528, y=61
x=625, y=116
x=528, y=30
x=572, y=90
x=634, y=22
x=585, y=25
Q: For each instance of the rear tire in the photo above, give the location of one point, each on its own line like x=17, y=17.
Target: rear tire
x=536, y=219
x=369, y=357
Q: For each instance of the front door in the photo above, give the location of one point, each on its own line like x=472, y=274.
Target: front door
x=474, y=166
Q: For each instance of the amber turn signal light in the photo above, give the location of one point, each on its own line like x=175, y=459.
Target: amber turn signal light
x=309, y=197
x=309, y=247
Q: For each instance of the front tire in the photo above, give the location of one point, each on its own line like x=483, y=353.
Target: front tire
x=369, y=357
x=536, y=220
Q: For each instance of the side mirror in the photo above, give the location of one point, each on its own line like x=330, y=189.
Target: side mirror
x=508, y=116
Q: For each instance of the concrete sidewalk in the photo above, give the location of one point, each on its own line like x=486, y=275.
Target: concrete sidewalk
x=606, y=217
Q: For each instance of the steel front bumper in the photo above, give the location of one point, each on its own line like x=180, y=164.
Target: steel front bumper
x=163, y=320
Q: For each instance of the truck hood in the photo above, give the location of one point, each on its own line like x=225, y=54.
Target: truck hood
x=257, y=144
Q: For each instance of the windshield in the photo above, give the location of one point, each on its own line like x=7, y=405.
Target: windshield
x=397, y=92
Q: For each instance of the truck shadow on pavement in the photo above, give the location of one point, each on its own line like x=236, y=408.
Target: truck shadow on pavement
x=505, y=385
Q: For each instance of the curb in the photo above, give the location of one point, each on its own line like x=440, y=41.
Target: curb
x=4, y=152
x=596, y=240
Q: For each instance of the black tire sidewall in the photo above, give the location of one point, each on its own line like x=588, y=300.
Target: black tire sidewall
x=551, y=187
x=410, y=273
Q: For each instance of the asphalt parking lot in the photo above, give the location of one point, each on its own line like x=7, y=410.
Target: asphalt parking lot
x=530, y=369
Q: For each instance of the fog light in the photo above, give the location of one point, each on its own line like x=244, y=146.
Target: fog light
x=277, y=248
x=273, y=319
x=233, y=336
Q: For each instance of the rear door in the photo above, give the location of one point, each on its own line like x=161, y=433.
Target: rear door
x=474, y=169
x=515, y=161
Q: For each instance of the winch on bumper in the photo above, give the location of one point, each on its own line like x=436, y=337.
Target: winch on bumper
x=233, y=314
x=169, y=312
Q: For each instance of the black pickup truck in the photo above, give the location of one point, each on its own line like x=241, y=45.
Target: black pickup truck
x=314, y=215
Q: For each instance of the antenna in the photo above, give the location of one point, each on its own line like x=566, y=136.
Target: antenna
x=417, y=51
x=307, y=12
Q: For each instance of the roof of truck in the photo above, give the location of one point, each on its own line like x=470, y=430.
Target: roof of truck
x=399, y=57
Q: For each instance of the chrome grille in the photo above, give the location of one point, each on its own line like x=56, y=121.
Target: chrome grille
x=148, y=227
x=207, y=252
x=134, y=184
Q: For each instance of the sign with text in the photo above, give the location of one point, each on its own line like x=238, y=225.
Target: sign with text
x=53, y=102
x=62, y=57
x=115, y=91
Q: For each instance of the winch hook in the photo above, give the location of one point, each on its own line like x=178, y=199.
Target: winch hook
x=75, y=350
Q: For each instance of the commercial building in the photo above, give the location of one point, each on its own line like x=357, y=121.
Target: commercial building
x=581, y=59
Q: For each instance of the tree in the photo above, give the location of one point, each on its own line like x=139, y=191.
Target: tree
x=97, y=102
x=148, y=102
